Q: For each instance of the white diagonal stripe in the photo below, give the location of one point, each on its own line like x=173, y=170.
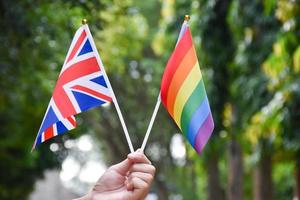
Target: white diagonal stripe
x=67, y=124
x=54, y=129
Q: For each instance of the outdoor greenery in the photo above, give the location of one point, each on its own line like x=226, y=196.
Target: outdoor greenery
x=249, y=53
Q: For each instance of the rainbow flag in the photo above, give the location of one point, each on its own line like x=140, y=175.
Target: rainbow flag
x=183, y=93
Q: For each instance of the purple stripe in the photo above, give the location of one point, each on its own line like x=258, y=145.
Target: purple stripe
x=197, y=120
x=204, y=133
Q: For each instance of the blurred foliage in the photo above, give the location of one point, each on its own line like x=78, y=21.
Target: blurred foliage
x=32, y=31
x=249, y=54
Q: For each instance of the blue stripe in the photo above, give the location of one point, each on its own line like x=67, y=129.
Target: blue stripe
x=39, y=139
x=86, y=48
x=61, y=128
x=198, y=119
x=86, y=102
x=100, y=80
x=50, y=119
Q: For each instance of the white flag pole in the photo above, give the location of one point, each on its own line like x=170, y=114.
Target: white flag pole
x=84, y=22
x=151, y=123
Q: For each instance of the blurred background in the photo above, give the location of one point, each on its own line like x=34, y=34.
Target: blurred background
x=249, y=53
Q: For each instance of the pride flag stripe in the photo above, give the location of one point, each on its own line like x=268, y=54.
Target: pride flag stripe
x=183, y=93
x=204, y=133
x=182, y=48
x=180, y=75
x=191, y=106
x=197, y=120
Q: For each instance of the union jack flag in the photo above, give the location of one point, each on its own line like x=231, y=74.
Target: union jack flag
x=81, y=85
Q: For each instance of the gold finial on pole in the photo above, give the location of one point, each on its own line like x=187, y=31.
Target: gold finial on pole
x=186, y=17
x=84, y=21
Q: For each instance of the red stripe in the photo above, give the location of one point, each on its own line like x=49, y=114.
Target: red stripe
x=48, y=133
x=183, y=46
x=72, y=121
x=77, y=45
x=74, y=72
x=92, y=92
x=184, y=69
x=79, y=69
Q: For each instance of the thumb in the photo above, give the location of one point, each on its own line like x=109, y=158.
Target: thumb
x=122, y=167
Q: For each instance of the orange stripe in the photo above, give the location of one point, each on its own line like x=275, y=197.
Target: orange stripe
x=48, y=133
x=180, y=75
x=184, y=44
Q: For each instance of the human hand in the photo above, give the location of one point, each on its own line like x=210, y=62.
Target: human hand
x=128, y=180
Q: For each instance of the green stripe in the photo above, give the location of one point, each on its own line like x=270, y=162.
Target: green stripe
x=191, y=105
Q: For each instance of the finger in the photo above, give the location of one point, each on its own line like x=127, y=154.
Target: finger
x=138, y=157
x=139, y=188
x=122, y=167
x=129, y=186
x=148, y=178
x=142, y=167
x=138, y=183
x=139, y=150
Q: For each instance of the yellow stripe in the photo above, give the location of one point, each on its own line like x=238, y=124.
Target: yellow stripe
x=186, y=91
x=185, y=67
